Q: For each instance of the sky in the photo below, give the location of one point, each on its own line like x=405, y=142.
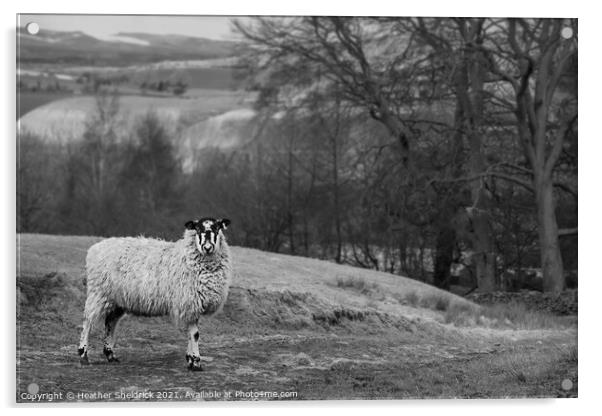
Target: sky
x=212, y=27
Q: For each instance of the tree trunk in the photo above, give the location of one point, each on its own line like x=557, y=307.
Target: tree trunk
x=484, y=262
x=551, y=259
x=482, y=242
x=471, y=99
x=337, y=208
x=444, y=256
x=305, y=235
x=289, y=200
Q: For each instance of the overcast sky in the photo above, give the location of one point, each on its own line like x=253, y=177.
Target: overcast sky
x=212, y=27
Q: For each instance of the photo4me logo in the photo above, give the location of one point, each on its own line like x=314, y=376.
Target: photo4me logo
x=264, y=395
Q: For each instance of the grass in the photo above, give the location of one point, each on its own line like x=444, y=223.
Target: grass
x=355, y=345
x=518, y=372
x=334, y=284
x=556, y=365
x=357, y=283
x=572, y=354
x=29, y=101
x=441, y=303
x=569, y=353
x=436, y=301
x=411, y=298
x=513, y=315
x=515, y=367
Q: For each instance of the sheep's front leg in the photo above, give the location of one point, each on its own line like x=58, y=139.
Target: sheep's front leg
x=193, y=356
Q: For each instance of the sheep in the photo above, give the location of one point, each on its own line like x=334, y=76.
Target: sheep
x=187, y=279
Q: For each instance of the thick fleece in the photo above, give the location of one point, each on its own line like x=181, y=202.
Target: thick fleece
x=151, y=277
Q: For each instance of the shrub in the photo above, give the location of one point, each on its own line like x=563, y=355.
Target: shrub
x=442, y=303
x=435, y=302
x=411, y=298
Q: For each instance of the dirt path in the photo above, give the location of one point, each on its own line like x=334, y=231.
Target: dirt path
x=304, y=366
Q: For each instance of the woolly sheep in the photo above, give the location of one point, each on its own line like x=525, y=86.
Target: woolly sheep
x=186, y=279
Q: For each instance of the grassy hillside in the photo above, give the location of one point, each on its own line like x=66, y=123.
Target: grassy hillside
x=323, y=330
x=28, y=101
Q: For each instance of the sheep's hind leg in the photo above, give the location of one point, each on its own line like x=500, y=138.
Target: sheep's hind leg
x=111, y=321
x=189, y=351
x=82, y=350
x=93, y=309
x=193, y=356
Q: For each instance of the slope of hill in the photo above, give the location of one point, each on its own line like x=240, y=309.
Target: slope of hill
x=65, y=119
x=50, y=46
x=187, y=45
x=291, y=324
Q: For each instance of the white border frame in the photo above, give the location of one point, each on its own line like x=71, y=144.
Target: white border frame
x=590, y=284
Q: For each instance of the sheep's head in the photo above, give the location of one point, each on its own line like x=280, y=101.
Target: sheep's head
x=209, y=233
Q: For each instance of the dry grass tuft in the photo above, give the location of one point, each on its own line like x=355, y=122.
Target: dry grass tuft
x=569, y=353
x=514, y=315
x=441, y=303
x=409, y=298
x=359, y=284
x=437, y=302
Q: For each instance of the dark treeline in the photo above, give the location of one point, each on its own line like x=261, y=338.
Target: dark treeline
x=414, y=146
x=108, y=183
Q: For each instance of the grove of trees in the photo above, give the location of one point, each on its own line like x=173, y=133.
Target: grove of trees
x=497, y=96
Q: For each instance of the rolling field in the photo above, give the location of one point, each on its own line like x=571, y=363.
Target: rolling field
x=28, y=101
x=303, y=328
x=65, y=119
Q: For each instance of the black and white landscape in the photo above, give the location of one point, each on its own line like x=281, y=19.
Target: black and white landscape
x=402, y=191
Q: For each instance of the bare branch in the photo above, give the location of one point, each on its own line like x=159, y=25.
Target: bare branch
x=559, y=140
x=525, y=184
x=563, y=232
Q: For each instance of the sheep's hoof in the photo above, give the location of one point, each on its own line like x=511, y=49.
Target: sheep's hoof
x=83, y=356
x=110, y=355
x=195, y=367
x=194, y=363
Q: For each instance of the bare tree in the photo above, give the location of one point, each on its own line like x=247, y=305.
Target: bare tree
x=455, y=43
x=532, y=56
x=341, y=51
x=33, y=194
x=94, y=168
x=337, y=47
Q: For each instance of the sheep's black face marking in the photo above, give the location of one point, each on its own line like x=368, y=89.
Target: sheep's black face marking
x=207, y=233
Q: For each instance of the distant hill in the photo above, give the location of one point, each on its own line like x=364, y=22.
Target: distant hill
x=79, y=48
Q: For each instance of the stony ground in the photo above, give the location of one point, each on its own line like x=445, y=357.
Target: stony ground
x=290, y=330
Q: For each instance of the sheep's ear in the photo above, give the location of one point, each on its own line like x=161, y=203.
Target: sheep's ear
x=190, y=225
x=223, y=223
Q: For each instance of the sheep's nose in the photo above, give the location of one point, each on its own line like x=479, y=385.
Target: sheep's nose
x=208, y=248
